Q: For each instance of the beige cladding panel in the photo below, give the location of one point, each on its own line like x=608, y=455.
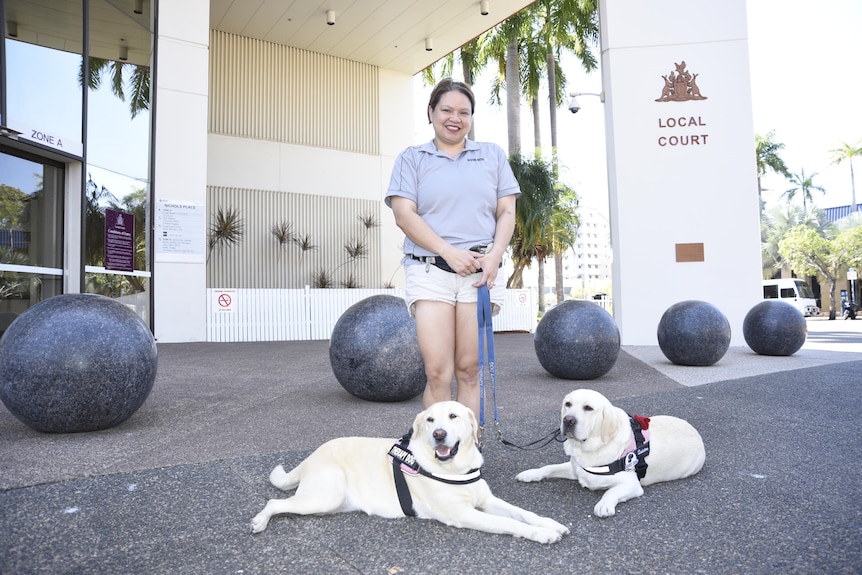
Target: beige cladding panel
x=271, y=92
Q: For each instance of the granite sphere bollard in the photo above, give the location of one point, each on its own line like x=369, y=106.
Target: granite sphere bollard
x=75, y=363
x=693, y=333
x=577, y=340
x=774, y=327
x=374, y=351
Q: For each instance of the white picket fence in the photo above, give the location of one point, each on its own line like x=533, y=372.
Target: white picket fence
x=309, y=314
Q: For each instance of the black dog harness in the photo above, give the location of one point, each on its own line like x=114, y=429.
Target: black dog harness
x=634, y=457
x=403, y=461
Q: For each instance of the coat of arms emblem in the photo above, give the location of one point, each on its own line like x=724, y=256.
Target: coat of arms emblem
x=680, y=85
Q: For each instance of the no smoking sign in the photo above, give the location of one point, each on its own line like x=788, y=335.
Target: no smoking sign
x=225, y=301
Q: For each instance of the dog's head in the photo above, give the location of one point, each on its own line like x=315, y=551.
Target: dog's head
x=446, y=438
x=587, y=414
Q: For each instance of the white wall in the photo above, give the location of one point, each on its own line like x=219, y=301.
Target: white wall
x=664, y=195
x=179, y=289
x=396, y=134
x=261, y=165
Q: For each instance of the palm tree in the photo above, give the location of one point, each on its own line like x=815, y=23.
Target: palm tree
x=774, y=225
x=559, y=25
x=563, y=231
x=563, y=25
x=766, y=153
x=848, y=152
x=504, y=45
x=804, y=185
x=534, y=208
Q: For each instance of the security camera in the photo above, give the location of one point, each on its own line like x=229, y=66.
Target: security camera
x=574, y=106
x=330, y=17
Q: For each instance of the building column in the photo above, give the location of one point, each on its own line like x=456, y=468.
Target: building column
x=684, y=211
x=180, y=177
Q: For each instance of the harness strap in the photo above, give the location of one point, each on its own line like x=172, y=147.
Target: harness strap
x=401, y=488
x=486, y=332
x=402, y=456
x=632, y=460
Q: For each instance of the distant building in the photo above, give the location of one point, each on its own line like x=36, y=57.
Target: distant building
x=836, y=213
x=587, y=265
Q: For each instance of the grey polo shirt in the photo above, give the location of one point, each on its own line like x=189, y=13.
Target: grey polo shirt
x=457, y=197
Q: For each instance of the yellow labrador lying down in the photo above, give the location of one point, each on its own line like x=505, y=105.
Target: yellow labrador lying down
x=609, y=450
x=437, y=468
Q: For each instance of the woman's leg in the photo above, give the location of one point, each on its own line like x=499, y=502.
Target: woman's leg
x=435, y=330
x=467, y=356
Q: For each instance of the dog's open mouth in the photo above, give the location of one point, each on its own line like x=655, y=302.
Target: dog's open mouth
x=445, y=453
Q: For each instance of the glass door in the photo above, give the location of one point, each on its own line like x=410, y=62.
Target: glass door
x=31, y=232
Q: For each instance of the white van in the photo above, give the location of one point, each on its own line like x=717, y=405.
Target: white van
x=793, y=291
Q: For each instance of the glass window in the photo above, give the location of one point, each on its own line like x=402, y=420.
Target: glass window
x=118, y=146
x=804, y=290
x=31, y=238
x=44, y=47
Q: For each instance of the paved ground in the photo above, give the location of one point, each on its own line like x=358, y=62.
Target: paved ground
x=172, y=489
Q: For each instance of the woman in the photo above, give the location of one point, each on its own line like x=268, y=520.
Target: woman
x=454, y=199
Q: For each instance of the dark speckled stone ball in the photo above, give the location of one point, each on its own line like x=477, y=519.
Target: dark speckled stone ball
x=774, y=327
x=577, y=340
x=76, y=362
x=693, y=333
x=374, y=351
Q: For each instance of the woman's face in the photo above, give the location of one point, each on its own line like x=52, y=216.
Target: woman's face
x=452, y=118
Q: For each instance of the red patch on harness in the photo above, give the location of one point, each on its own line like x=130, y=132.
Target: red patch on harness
x=642, y=421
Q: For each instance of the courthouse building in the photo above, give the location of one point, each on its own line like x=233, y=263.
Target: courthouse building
x=276, y=123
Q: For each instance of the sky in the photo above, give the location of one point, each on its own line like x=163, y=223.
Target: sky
x=806, y=84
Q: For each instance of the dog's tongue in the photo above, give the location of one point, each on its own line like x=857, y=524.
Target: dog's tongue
x=443, y=452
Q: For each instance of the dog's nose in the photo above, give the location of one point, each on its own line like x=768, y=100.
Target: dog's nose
x=569, y=423
x=439, y=434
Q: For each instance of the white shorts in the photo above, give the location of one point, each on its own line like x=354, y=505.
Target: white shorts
x=429, y=283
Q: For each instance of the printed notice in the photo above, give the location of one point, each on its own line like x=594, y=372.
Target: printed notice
x=224, y=300
x=180, y=231
x=119, y=241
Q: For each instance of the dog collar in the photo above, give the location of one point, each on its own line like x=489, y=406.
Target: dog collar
x=403, y=461
x=634, y=456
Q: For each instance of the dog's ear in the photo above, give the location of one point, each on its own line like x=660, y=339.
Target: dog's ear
x=610, y=422
x=417, y=423
x=474, y=425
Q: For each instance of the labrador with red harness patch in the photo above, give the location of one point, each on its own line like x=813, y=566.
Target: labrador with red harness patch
x=608, y=449
x=433, y=472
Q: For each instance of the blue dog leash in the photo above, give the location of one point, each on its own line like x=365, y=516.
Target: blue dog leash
x=486, y=332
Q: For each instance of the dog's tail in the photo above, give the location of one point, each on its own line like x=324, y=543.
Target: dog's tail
x=284, y=480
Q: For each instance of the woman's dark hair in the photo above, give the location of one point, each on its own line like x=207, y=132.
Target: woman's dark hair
x=447, y=85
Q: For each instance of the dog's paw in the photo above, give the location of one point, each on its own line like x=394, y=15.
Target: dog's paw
x=548, y=523
x=545, y=536
x=605, y=508
x=259, y=523
x=530, y=476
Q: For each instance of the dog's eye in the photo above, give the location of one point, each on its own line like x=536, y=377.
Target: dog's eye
x=430, y=420
x=453, y=416
x=568, y=404
x=588, y=408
